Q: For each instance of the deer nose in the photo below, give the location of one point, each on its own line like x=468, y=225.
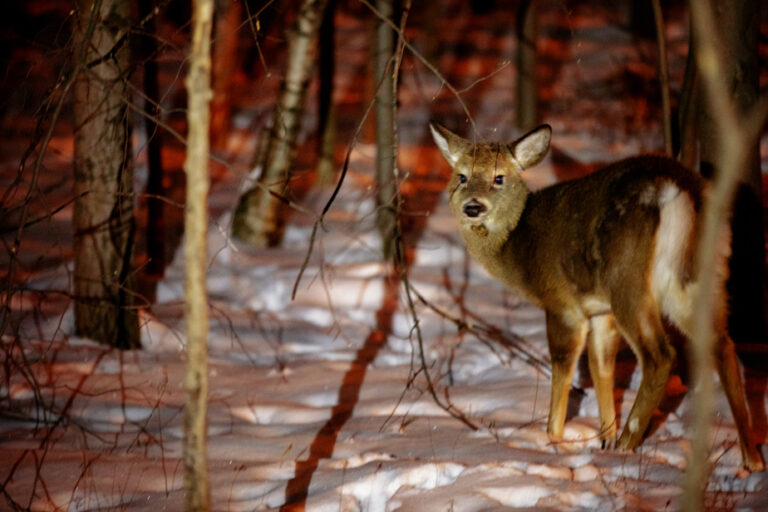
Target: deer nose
x=474, y=208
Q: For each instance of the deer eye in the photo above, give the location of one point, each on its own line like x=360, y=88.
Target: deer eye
x=499, y=180
x=462, y=178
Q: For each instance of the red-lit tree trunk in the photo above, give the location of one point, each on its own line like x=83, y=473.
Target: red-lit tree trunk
x=228, y=16
x=103, y=213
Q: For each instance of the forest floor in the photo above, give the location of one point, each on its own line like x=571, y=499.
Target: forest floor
x=320, y=401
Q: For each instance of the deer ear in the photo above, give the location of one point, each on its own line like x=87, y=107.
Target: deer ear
x=531, y=148
x=451, y=145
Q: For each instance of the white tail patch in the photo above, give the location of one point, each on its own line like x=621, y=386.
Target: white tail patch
x=672, y=245
x=673, y=236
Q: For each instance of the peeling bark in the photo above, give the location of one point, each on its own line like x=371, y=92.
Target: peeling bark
x=258, y=219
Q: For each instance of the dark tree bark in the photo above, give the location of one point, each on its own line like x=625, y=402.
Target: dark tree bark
x=728, y=131
x=155, y=231
x=198, y=83
x=258, y=218
x=386, y=179
x=326, y=125
x=687, y=148
x=641, y=19
x=103, y=213
x=739, y=30
x=661, y=44
x=527, y=93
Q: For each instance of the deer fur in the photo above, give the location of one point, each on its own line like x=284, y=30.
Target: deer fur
x=607, y=256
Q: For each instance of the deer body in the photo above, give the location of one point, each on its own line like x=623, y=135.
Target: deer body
x=607, y=256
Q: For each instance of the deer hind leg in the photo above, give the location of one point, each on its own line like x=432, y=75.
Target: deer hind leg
x=601, y=349
x=645, y=334
x=730, y=378
x=727, y=365
x=566, y=339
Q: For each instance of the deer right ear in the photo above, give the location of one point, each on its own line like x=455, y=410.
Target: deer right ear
x=531, y=148
x=451, y=145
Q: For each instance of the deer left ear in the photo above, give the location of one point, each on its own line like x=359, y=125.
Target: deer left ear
x=531, y=148
x=451, y=145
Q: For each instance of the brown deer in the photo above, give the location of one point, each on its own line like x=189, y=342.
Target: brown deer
x=607, y=256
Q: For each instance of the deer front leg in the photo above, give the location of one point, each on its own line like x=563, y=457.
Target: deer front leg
x=645, y=334
x=566, y=337
x=601, y=349
x=730, y=378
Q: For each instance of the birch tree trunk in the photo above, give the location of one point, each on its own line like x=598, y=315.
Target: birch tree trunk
x=103, y=213
x=195, y=259
x=258, y=219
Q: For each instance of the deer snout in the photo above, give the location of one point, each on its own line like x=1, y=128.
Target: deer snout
x=474, y=208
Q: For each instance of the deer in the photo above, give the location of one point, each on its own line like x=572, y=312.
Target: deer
x=607, y=256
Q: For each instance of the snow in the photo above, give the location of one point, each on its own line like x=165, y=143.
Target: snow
x=303, y=398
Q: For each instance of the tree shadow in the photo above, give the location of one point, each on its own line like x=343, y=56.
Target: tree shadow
x=322, y=446
x=420, y=194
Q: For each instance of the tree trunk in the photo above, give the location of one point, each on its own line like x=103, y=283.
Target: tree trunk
x=103, y=212
x=687, y=119
x=641, y=21
x=228, y=16
x=661, y=44
x=326, y=125
x=196, y=167
x=155, y=231
x=386, y=179
x=738, y=26
x=727, y=133
x=257, y=219
x=527, y=93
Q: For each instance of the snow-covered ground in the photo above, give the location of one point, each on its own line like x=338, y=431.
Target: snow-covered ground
x=321, y=401
x=318, y=397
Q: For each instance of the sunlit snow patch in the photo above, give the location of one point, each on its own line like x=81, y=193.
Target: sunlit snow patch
x=522, y=496
x=374, y=492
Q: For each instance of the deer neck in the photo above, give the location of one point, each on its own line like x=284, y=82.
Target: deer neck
x=486, y=239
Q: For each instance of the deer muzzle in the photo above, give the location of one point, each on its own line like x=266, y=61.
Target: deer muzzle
x=474, y=208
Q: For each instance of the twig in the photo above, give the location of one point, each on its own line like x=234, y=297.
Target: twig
x=425, y=62
x=255, y=31
x=42, y=217
x=483, y=330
